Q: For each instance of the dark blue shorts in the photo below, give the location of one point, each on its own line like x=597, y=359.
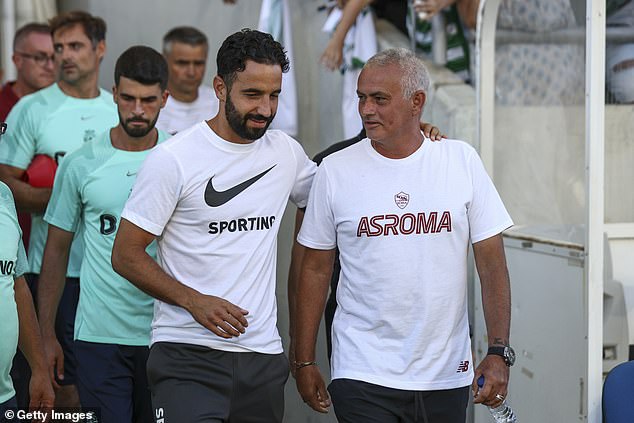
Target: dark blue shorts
x=356, y=401
x=64, y=327
x=112, y=379
x=4, y=407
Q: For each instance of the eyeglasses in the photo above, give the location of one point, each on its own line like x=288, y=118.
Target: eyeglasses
x=3, y=128
x=40, y=59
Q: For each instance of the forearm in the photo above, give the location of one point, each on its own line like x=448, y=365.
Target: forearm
x=30, y=342
x=27, y=198
x=51, y=284
x=496, y=289
x=138, y=267
x=297, y=255
x=350, y=12
x=310, y=302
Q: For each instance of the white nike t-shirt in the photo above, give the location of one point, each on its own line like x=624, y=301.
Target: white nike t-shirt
x=403, y=228
x=216, y=207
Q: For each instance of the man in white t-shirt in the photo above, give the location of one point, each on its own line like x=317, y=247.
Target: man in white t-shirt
x=185, y=48
x=213, y=197
x=402, y=211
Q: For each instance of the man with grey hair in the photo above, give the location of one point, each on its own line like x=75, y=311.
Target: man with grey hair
x=185, y=49
x=402, y=211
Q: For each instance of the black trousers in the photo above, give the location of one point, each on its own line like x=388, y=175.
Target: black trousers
x=356, y=401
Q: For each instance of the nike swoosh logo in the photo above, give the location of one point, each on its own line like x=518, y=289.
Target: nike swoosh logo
x=130, y=173
x=215, y=198
x=85, y=117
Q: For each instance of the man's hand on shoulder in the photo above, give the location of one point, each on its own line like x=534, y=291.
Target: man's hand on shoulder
x=431, y=132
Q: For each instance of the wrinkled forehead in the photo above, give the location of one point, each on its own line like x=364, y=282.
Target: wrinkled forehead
x=383, y=78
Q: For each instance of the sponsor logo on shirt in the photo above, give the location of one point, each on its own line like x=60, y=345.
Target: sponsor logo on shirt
x=215, y=198
x=259, y=223
x=405, y=224
x=6, y=267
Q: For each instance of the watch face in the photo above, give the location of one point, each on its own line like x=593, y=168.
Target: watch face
x=509, y=356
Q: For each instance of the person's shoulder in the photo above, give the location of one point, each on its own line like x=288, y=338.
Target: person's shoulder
x=452, y=145
x=42, y=98
x=89, y=151
x=336, y=147
x=106, y=97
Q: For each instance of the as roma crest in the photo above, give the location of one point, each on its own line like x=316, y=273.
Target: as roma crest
x=401, y=199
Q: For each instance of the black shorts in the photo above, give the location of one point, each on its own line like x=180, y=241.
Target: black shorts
x=355, y=401
x=192, y=383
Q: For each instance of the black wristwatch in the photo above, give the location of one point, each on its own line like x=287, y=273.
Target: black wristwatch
x=507, y=353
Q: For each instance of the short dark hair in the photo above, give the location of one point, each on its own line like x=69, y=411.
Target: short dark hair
x=94, y=27
x=183, y=34
x=142, y=64
x=28, y=29
x=248, y=44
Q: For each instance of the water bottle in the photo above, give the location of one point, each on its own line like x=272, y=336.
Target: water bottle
x=503, y=413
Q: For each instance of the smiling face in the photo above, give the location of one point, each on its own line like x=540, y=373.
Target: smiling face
x=138, y=106
x=75, y=56
x=250, y=100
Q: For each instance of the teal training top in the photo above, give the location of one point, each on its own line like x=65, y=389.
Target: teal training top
x=91, y=187
x=12, y=264
x=52, y=123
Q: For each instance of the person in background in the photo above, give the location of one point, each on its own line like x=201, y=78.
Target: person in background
x=50, y=123
x=112, y=327
x=185, y=48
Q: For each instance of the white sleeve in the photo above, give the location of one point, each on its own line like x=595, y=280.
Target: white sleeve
x=304, y=175
x=318, y=228
x=487, y=214
x=155, y=193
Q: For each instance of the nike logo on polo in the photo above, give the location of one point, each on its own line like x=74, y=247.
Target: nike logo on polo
x=86, y=117
x=128, y=173
x=215, y=198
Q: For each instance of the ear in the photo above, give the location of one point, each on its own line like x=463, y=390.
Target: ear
x=220, y=88
x=114, y=94
x=101, y=50
x=418, y=102
x=17, y=60
x=164, y=96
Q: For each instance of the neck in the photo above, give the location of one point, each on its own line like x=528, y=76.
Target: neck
x=83, y=88
x=221, y=127
x=400, y=146
x=181, y=96
x=122, y=141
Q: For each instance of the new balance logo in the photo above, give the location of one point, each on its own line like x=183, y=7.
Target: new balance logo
x=463, y=367
x=215, y=198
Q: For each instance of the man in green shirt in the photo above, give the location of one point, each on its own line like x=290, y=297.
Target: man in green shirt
x=112, y=326
x=52, y=122
x=17, y=315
